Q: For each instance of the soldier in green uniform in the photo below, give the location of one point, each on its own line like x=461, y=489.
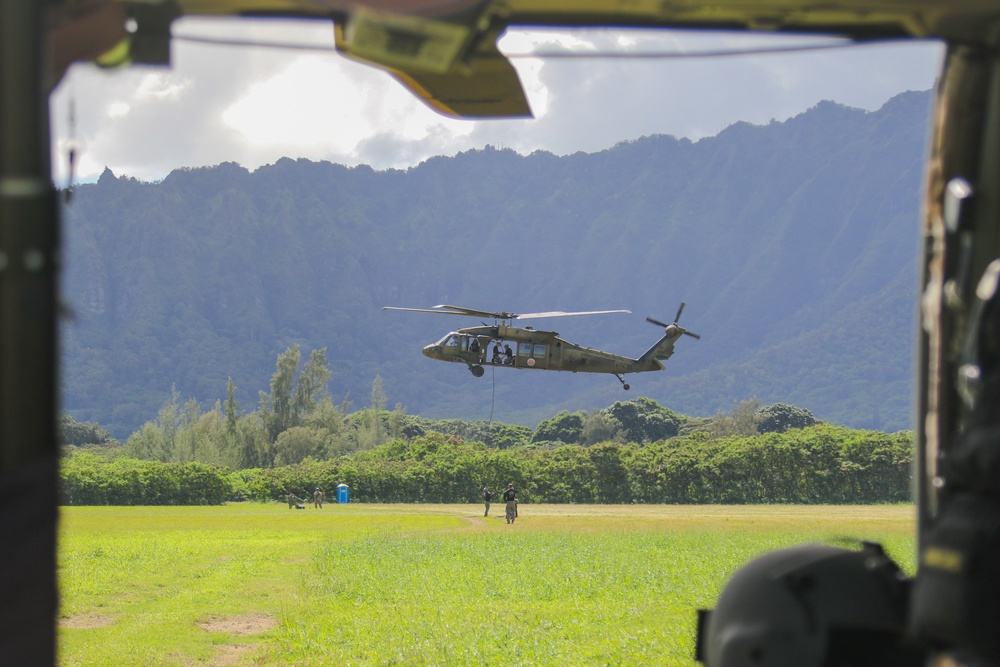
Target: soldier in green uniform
x=292, y=500
x=511, y=500
x=487, y=497
x=318, y=499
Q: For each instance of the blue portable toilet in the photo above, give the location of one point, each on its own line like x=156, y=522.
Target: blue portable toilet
x=343, y=493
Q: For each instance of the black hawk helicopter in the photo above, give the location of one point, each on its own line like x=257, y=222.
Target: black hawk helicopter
x=541, y=350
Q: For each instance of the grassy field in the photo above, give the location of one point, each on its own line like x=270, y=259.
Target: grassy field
x=256, y=584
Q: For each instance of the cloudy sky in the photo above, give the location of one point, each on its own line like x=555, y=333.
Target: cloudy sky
x=254, y=105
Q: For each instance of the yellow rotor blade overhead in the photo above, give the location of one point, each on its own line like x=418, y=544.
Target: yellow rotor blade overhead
x=451, y=67
x=445, y=50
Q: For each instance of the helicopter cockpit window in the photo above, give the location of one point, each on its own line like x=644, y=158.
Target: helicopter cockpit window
x=539, y=350
x=524, y=349
x=451, y=340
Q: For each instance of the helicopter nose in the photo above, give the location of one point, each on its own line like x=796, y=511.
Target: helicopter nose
x=432, y=351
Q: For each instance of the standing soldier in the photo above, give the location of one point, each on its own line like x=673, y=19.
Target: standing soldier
x=487, y=497
x=318, y=499
x=511, y=501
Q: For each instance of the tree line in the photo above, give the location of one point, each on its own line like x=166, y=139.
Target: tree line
x=298, y=420
x=818, y=464
x=635, y=451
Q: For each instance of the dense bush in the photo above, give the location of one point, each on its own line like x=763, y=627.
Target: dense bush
x=780, y=417
x=73, y=432
x=643, y=420
x=820, y=464
x=88, y=479
x=493, y=434
x=565, y=428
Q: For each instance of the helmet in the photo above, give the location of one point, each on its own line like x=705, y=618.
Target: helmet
x=805, y=606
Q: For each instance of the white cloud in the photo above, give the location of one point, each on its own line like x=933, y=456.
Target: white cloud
x=306, y=100
x=118, y=109
x=254, y=105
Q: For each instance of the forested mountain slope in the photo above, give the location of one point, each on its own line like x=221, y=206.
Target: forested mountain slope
x=794, y=245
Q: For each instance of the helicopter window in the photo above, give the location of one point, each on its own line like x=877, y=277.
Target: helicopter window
x=451, y=340
x=524, y=349
x=539, y=349
x=465, y=343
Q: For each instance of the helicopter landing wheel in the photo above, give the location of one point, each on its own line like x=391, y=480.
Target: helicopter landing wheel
x=625, y=386
x=621, y=378
x=477, y=371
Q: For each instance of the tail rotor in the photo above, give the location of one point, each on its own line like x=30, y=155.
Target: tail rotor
x=676, y=327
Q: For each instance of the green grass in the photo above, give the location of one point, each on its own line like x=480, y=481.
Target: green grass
x=418, y=584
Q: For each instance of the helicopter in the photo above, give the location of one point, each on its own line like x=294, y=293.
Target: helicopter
x=541, y=350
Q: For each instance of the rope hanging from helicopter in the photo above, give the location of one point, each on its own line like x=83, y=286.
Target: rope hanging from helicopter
x=493, y=398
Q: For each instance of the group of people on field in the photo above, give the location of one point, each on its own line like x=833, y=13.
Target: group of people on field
x=509, y=498
x=293, y=500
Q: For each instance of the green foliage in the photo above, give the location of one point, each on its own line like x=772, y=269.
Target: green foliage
x=299, y=443
x=491, y=434
x=742, y=420
x=73, y=432
x=312, y=384
x=820, y=464
x=92, y=480
x=643, y=420
x=564, y=427
x=600, y=427
x=277, y=409
x=723, y=459
x=296, y=420
x=780, y=417
x=694, y=425
x=394, y=457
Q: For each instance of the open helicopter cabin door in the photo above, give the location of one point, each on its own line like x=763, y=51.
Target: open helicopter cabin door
x=473, y=347
x=533, y=355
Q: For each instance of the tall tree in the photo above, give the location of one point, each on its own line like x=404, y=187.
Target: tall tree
x=564, y=427
x=73, y=432
x=780, y=417
x=379, y=401
x=281, y=416
x=311, y=387
x=170, y=420
x=742, y=420
x=232, y=408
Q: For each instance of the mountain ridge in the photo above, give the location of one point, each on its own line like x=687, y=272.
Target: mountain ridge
x=793, y=243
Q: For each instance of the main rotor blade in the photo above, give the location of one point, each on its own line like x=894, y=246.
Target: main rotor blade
x=445, y=309
x=691, y=333
x=427, y=310
x=657, y=322
x=559, y=313
x=472, y=312
x=679, y=311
